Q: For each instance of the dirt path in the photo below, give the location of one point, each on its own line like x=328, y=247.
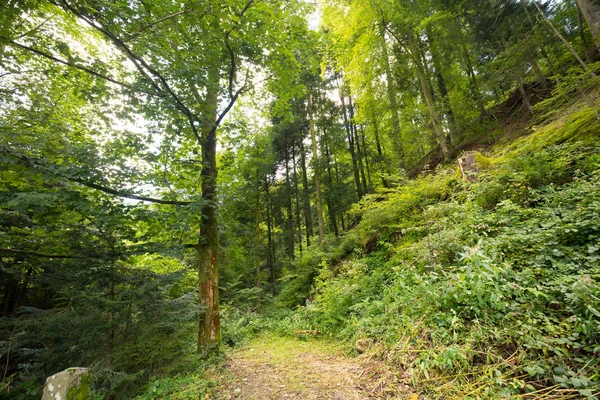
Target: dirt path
x=284, y=368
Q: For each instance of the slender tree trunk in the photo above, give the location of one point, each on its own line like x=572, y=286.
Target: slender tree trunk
x=257, y=240
x=591, y=12
x=562, y=38
x=297, y=197
x=367, y=164
x=349, y=135
x=271, y=253
x=317, y=172
x=391, y=93
x=23, y=288
x=111, y=315
x=289, y=231
x=307, y=211
x=330, y=208
x=473, y=85
x=9, y=297
x=443, y=88
x=380, y=157
x=428, y=95
x=582, y=36
x=359, y=150
x=209, y=326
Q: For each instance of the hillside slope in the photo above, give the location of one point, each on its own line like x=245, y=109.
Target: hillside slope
x=475, y=290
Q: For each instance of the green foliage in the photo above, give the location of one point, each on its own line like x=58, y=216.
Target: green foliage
x=498, y=294
x=193, y=386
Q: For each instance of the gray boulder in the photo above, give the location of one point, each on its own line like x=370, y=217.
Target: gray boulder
x=70, y=384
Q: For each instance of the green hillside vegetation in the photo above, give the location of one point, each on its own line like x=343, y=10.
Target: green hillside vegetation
x=483, y=289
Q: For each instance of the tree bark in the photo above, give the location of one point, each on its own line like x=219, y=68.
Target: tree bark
x=582, y=36
x=565, y=41
x=414, y=48
x=363, y=141
x=209, y=325
x=317, y=172
x=331, y=210
x=271, y=253
x=289, y=229
x=257, y=240
x=473, y=84
x=359, y=150
x=397, y=140
x=591, y=12
x=349, y=135
x=297, y=197
x=306, y=196
x=443, y=88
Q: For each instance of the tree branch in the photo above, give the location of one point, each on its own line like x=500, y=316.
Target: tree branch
x=67, y=63
x=232, y=68
x=232, y=101
x=140, y=65
x=158, y=21
x=37, y=254
x=119, y=193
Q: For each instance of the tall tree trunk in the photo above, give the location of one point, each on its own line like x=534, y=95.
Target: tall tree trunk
x=591, y=12
x=10, y=288
x=289, y=229
x=367, y=166
x=565, y=41
x=271, y=253
x=111, y=315
x=473, y=84
x=23, y=288
x=582, y=35
x=257, y=240
x=414, y=47
x=380, y=157
x=330, y=208
x=359, y=150
x=317, y=172
x=443, y=88
x=349, y=135
x=306, y=196
x=209, y=325
x=391, y=93
x=297, y=197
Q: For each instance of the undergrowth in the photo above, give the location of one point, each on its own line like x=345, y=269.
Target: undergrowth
x=481, y=290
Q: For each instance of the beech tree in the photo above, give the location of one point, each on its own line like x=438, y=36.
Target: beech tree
x=187, y=63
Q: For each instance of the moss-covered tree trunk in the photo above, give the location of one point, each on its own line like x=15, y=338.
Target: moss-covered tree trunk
x=209, y=325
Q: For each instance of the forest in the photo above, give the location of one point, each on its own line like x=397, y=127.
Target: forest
x=413, y=183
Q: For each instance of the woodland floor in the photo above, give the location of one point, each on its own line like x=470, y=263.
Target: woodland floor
x=286, y=368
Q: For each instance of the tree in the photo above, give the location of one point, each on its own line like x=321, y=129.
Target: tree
x=591, y=12
x=187, y=64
